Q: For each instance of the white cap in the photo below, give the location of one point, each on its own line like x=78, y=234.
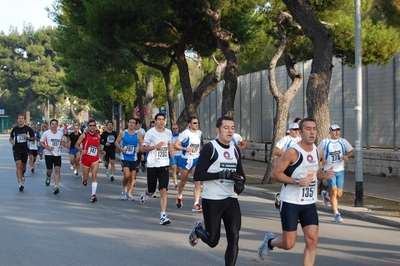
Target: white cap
x=334, y=127
x=293, y=126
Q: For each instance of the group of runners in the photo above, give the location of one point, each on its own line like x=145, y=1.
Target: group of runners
x=217, y=172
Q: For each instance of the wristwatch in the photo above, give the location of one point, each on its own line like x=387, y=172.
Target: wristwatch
x=297, y=182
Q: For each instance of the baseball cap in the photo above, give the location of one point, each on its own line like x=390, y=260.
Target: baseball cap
x=293, y=126
x=334, y=127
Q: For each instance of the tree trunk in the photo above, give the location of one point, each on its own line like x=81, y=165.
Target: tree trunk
x=190, y=107
x=283, y=100
x=53, y=104
x=170, y=93
x=139, y=97
x=224, y=38
x=207, y=85
x=148, y=102
x=29, y=101
x=321, y=68
x=72, y=110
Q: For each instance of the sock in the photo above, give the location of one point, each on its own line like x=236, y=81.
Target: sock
x=179, y=196
x=196, y=202
x=162, y=214
x=269, y=244
x=336, y=212
x=94, y=188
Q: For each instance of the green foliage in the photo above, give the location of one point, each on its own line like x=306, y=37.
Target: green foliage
x=28, y=71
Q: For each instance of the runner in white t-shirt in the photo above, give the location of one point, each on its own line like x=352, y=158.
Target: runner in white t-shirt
x=158, y=143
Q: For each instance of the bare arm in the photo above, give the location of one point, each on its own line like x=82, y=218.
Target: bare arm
x=277, y=152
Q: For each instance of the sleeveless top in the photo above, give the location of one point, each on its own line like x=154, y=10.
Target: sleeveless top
x=306, y=165
x=130, y=142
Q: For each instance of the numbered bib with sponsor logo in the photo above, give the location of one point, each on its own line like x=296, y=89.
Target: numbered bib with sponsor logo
x=92, y=151
x=130, y=149
x=196, y=149
x=21, y=138
x=162, y=154
x=307, y=194
x=227, y=167
x=33, y=145
x=55, y=142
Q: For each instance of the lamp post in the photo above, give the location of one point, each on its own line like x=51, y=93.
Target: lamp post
x=358, y=108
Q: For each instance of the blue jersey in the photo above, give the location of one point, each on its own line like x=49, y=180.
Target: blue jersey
x=130, y=142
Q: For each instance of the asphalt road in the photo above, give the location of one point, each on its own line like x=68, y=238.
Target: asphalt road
x=39, y=228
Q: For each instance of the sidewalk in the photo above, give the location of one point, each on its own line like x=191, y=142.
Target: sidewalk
x=374, y=186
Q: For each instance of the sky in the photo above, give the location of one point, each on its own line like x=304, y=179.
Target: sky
x=16, y=12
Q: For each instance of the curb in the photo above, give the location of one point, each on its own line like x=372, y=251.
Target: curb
x=360, y=213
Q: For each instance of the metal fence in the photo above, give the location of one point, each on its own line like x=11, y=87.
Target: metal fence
x=255, y=106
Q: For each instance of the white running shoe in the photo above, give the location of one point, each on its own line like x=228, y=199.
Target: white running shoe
x=123, y=195
x=143, y=197
x=154, y=195
x=338, y=218
x=325, y=197
x=164, y=220
x=193, y=238
x=263, y=249
x=129, y=197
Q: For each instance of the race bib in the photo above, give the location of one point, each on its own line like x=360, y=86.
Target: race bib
x=336, y=156
x=92, y=151
x=130, y=149
x=32, y=145
x=21, y=138
x=227, y=167
x=307, y=194
x=162, y=154
x=55, y=142
x=196, y=148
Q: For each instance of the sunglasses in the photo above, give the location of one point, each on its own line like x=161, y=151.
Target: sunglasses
x=195, y=123
x=175, y=128
x=92, y=125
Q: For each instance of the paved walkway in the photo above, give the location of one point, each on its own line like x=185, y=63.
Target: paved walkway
x=375, y=186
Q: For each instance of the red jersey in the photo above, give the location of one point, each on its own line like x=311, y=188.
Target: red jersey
x=91, y=145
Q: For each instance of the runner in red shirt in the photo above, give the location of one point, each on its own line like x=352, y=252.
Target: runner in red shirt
x=89, y=146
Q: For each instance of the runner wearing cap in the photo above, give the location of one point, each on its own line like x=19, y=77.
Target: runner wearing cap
x=336, y=151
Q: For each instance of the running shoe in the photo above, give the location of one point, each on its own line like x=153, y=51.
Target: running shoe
x=164, y=220
x=176, y=185
x=71, y=167
x=338, y=218
x=48, y=179
x=277, y=200
x=84, y=182
x=154, y=195
x=112, y=178
x=263, y=248
x=93, y=199
x=56, y=191
x=76, y=175
x=179, y=203
x=129, y=197
x=143, y=197
x=107, y=174
x=21, y=188
x=193, y=238
x=41, y=157
x=325, y=197
x=197, y=208
x=122, y=196
x=143, y=168
x=33, y=170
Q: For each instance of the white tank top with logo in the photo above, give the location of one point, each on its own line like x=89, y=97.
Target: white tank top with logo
x=306, y=165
